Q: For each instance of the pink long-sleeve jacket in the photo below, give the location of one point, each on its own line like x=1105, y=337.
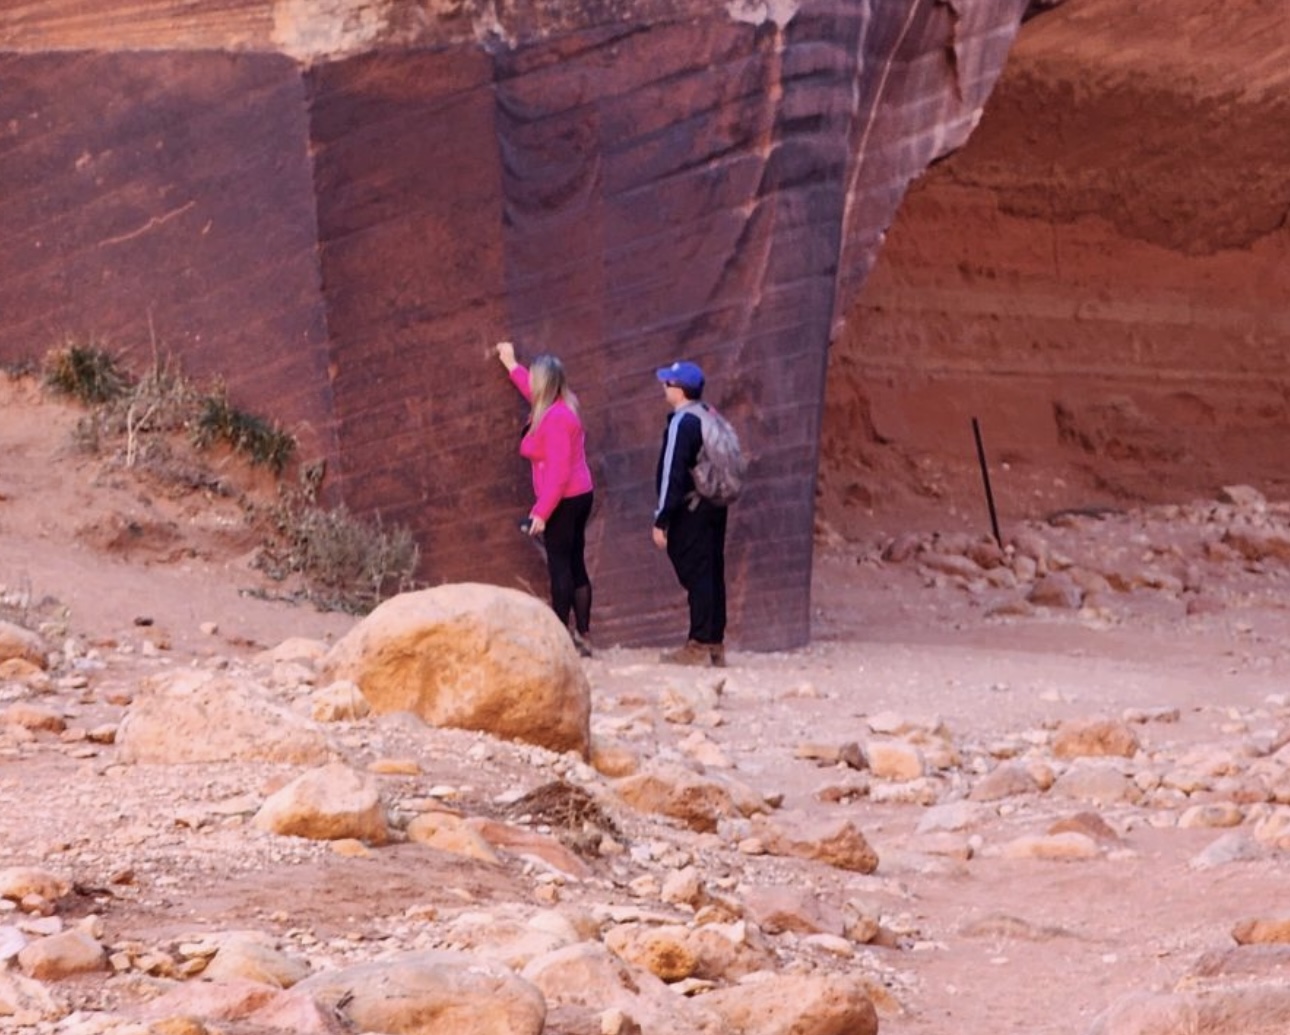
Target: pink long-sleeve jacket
x=557, y=449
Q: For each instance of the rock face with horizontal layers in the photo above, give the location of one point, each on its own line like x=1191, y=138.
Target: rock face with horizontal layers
x=338, y=207
x=1099, y=276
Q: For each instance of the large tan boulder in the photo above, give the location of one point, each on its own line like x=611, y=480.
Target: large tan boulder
x=448, y=833
x=663, y=950
x=237, y=1001
x=700, y=801
x=18, y=882
x=62, y=955
x=471, y=656
x=1262, y=931
x=253, y=956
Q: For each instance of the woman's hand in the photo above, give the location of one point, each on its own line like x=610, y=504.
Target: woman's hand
x=660, y=539
x=506, y=353
x=536, y=525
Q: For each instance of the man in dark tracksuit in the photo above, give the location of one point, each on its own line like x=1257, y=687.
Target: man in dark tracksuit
x=692, y=530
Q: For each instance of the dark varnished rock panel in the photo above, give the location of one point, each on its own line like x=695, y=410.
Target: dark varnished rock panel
x=410, y=239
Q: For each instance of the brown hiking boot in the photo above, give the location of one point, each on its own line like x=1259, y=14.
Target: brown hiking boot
x=693, y=653
x=717, y=652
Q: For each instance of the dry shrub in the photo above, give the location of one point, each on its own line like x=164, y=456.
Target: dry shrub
x=143, y=419
x=574, y=816
x=20, y=605
x=262, y=442
x=16, y=602
x=20, y=369
x=140, y=412
x=346, y=563
x=343, y=562
x=86, y=373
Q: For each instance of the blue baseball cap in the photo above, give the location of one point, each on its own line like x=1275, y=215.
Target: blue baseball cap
x=686, y=375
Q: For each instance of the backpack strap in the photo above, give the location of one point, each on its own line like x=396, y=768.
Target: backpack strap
x=700, y=409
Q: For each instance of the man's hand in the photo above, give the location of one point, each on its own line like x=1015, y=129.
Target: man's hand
x=660, y=538
x=506, y=353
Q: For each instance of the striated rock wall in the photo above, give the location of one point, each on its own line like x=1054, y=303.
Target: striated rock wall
x=167, y=196
x=338, y=207
x=1100, y=276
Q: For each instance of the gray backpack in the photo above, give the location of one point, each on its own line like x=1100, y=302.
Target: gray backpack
x=721, y=467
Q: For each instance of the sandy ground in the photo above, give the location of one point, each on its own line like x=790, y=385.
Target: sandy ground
x=984, y=944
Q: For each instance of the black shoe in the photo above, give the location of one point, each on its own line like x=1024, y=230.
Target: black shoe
x=581, y=642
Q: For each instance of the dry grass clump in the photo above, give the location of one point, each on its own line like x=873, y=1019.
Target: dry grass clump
x=260, y=441
x=20, y=605
x=18, y=369
x=573, y=815
x=144, y=417
x=345, y=563
x=160, y=402
x=86, y=373
x=17, y=602
x=342, y=562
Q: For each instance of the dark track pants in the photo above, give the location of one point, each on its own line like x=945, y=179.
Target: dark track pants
x=565, y=539
x=696, y=546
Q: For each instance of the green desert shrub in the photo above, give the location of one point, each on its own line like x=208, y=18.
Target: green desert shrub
x=262, y=442
x=343, y=561
x=163, y=400
x=87, y=373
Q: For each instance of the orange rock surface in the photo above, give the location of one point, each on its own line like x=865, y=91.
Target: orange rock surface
x=1099, y=276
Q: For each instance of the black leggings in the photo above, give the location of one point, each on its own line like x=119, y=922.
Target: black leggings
x=566, y=542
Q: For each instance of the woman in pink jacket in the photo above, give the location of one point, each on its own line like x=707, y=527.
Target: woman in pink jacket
x=555, y=444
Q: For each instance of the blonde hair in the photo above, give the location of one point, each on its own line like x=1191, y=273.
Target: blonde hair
x=548, y=384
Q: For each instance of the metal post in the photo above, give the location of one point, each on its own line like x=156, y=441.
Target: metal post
x=985, y=477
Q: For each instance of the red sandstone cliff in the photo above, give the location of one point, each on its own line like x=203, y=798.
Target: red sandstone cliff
x=1100, y=275
x=338, y=206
